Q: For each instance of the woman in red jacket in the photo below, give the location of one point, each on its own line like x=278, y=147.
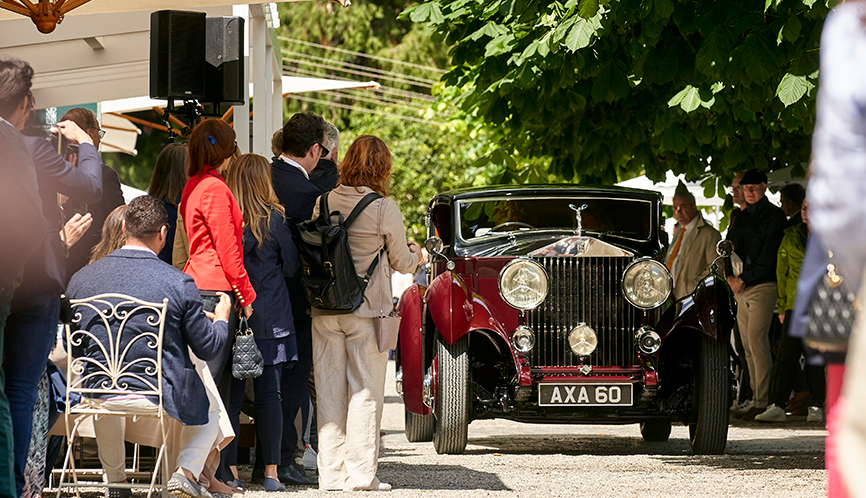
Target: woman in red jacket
x=214, y=226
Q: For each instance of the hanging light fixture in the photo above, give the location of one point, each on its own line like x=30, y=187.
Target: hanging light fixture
x=46, y=14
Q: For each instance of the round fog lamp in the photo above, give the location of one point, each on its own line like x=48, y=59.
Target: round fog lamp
x=523, y=284
x=648, y=340
x=523, y=339
x=582, y=340
x=646, y=284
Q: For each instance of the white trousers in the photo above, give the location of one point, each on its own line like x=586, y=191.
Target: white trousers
x=195, y=441
x=350, y=391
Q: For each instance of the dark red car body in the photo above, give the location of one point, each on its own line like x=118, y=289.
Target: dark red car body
x=687, y=379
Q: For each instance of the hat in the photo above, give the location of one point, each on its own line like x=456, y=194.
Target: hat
x=754, y=177
x=681, y=190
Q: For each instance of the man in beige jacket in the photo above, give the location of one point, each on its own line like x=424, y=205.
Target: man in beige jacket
x=693, y=245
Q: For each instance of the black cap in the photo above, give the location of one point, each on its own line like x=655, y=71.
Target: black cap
x=753, y=177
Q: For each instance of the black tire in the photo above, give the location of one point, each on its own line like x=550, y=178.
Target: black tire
x=655, y=431
x=708, y=434
x=419, y=428
x=451, y=413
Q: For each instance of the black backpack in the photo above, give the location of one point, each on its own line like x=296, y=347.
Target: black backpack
x=329, y=278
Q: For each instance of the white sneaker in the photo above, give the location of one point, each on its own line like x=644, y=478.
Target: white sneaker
x=310, y=458
x=772, y=414
x=742, y=407
x=815, y=414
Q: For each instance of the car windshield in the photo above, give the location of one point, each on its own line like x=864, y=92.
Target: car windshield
x=491, y=217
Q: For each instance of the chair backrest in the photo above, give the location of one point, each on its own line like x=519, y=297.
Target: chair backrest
x=115, y=346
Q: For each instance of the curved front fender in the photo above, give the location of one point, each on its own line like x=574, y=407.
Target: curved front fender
x=449, y=301
x=411, y=353
x=711, y=309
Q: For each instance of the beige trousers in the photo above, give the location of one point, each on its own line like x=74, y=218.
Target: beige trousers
x=194, y=442
x=754, y=314
x=350, y=385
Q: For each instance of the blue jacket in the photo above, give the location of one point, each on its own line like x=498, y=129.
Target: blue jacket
x=141, y=274
x=268, y=267
x=45, y=272
x=298, y=196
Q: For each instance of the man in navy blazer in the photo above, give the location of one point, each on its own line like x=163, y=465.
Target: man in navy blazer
x=135, y=270
x=303, y=136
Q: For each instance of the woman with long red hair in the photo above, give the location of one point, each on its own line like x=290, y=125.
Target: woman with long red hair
x=349, y=369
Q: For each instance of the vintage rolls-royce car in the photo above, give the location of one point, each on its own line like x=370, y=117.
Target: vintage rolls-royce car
x=551, y=304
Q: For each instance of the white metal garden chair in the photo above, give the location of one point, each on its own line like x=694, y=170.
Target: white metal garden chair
x=93, y=378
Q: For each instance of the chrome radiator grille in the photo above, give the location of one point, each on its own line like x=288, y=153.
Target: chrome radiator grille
x=584, y=290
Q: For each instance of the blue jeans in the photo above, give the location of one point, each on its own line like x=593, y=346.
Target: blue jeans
x=29, y=337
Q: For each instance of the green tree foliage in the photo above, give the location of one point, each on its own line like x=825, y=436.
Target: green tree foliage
x=367, y=41
x=610, y=89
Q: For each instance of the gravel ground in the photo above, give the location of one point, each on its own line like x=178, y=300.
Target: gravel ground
x=529, y=460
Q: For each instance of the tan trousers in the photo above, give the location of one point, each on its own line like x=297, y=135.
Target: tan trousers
x=194, y=443
x=350, y=385
x=754, y=314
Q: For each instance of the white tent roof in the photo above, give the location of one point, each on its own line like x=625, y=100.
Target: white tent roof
x=291, y=84
x=669, y=185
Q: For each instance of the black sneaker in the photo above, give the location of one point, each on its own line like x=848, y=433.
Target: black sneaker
x=182, y=487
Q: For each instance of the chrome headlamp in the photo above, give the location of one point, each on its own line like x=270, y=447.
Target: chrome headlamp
x=646, y=284
x=523, y=284
x=582, y=340
x=523, y=339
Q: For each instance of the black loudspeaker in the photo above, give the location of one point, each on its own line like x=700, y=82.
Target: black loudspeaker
x=224, y=71
x=177, y=55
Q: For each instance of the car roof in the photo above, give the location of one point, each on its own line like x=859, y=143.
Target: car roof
x=553, y=189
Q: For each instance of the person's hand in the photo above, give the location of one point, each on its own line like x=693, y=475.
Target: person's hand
x=75, y=228
x=736, y=284
x=782, y=318
x=72, y=132
x=247, y=310
x=416, y=249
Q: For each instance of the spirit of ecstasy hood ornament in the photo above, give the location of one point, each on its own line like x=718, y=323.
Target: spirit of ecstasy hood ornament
x=577, y=210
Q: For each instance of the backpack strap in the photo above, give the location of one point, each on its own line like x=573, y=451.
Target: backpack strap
x=363, y=203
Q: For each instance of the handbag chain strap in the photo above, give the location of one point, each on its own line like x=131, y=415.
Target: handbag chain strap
x=834, y=280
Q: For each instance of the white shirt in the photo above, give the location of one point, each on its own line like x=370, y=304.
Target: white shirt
x=689, y=229
x=295, y=164
x=137, y=248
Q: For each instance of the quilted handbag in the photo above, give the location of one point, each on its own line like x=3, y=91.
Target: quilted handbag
x=831, y=313
x=247, y=361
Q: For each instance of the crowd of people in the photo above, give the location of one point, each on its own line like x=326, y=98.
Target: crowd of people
x=217, y=236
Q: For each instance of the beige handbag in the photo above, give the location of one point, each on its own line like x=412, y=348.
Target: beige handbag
x=387, y=325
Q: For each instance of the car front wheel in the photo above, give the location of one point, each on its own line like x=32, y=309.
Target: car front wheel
x=451, y=413
x=708, y=434
x=419, y=428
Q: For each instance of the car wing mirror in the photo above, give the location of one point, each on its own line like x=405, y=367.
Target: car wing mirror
x=435, y=246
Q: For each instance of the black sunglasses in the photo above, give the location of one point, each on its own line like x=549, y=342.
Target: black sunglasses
x=324, y=151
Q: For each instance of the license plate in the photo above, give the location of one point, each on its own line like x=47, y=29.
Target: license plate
x=585, y=395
